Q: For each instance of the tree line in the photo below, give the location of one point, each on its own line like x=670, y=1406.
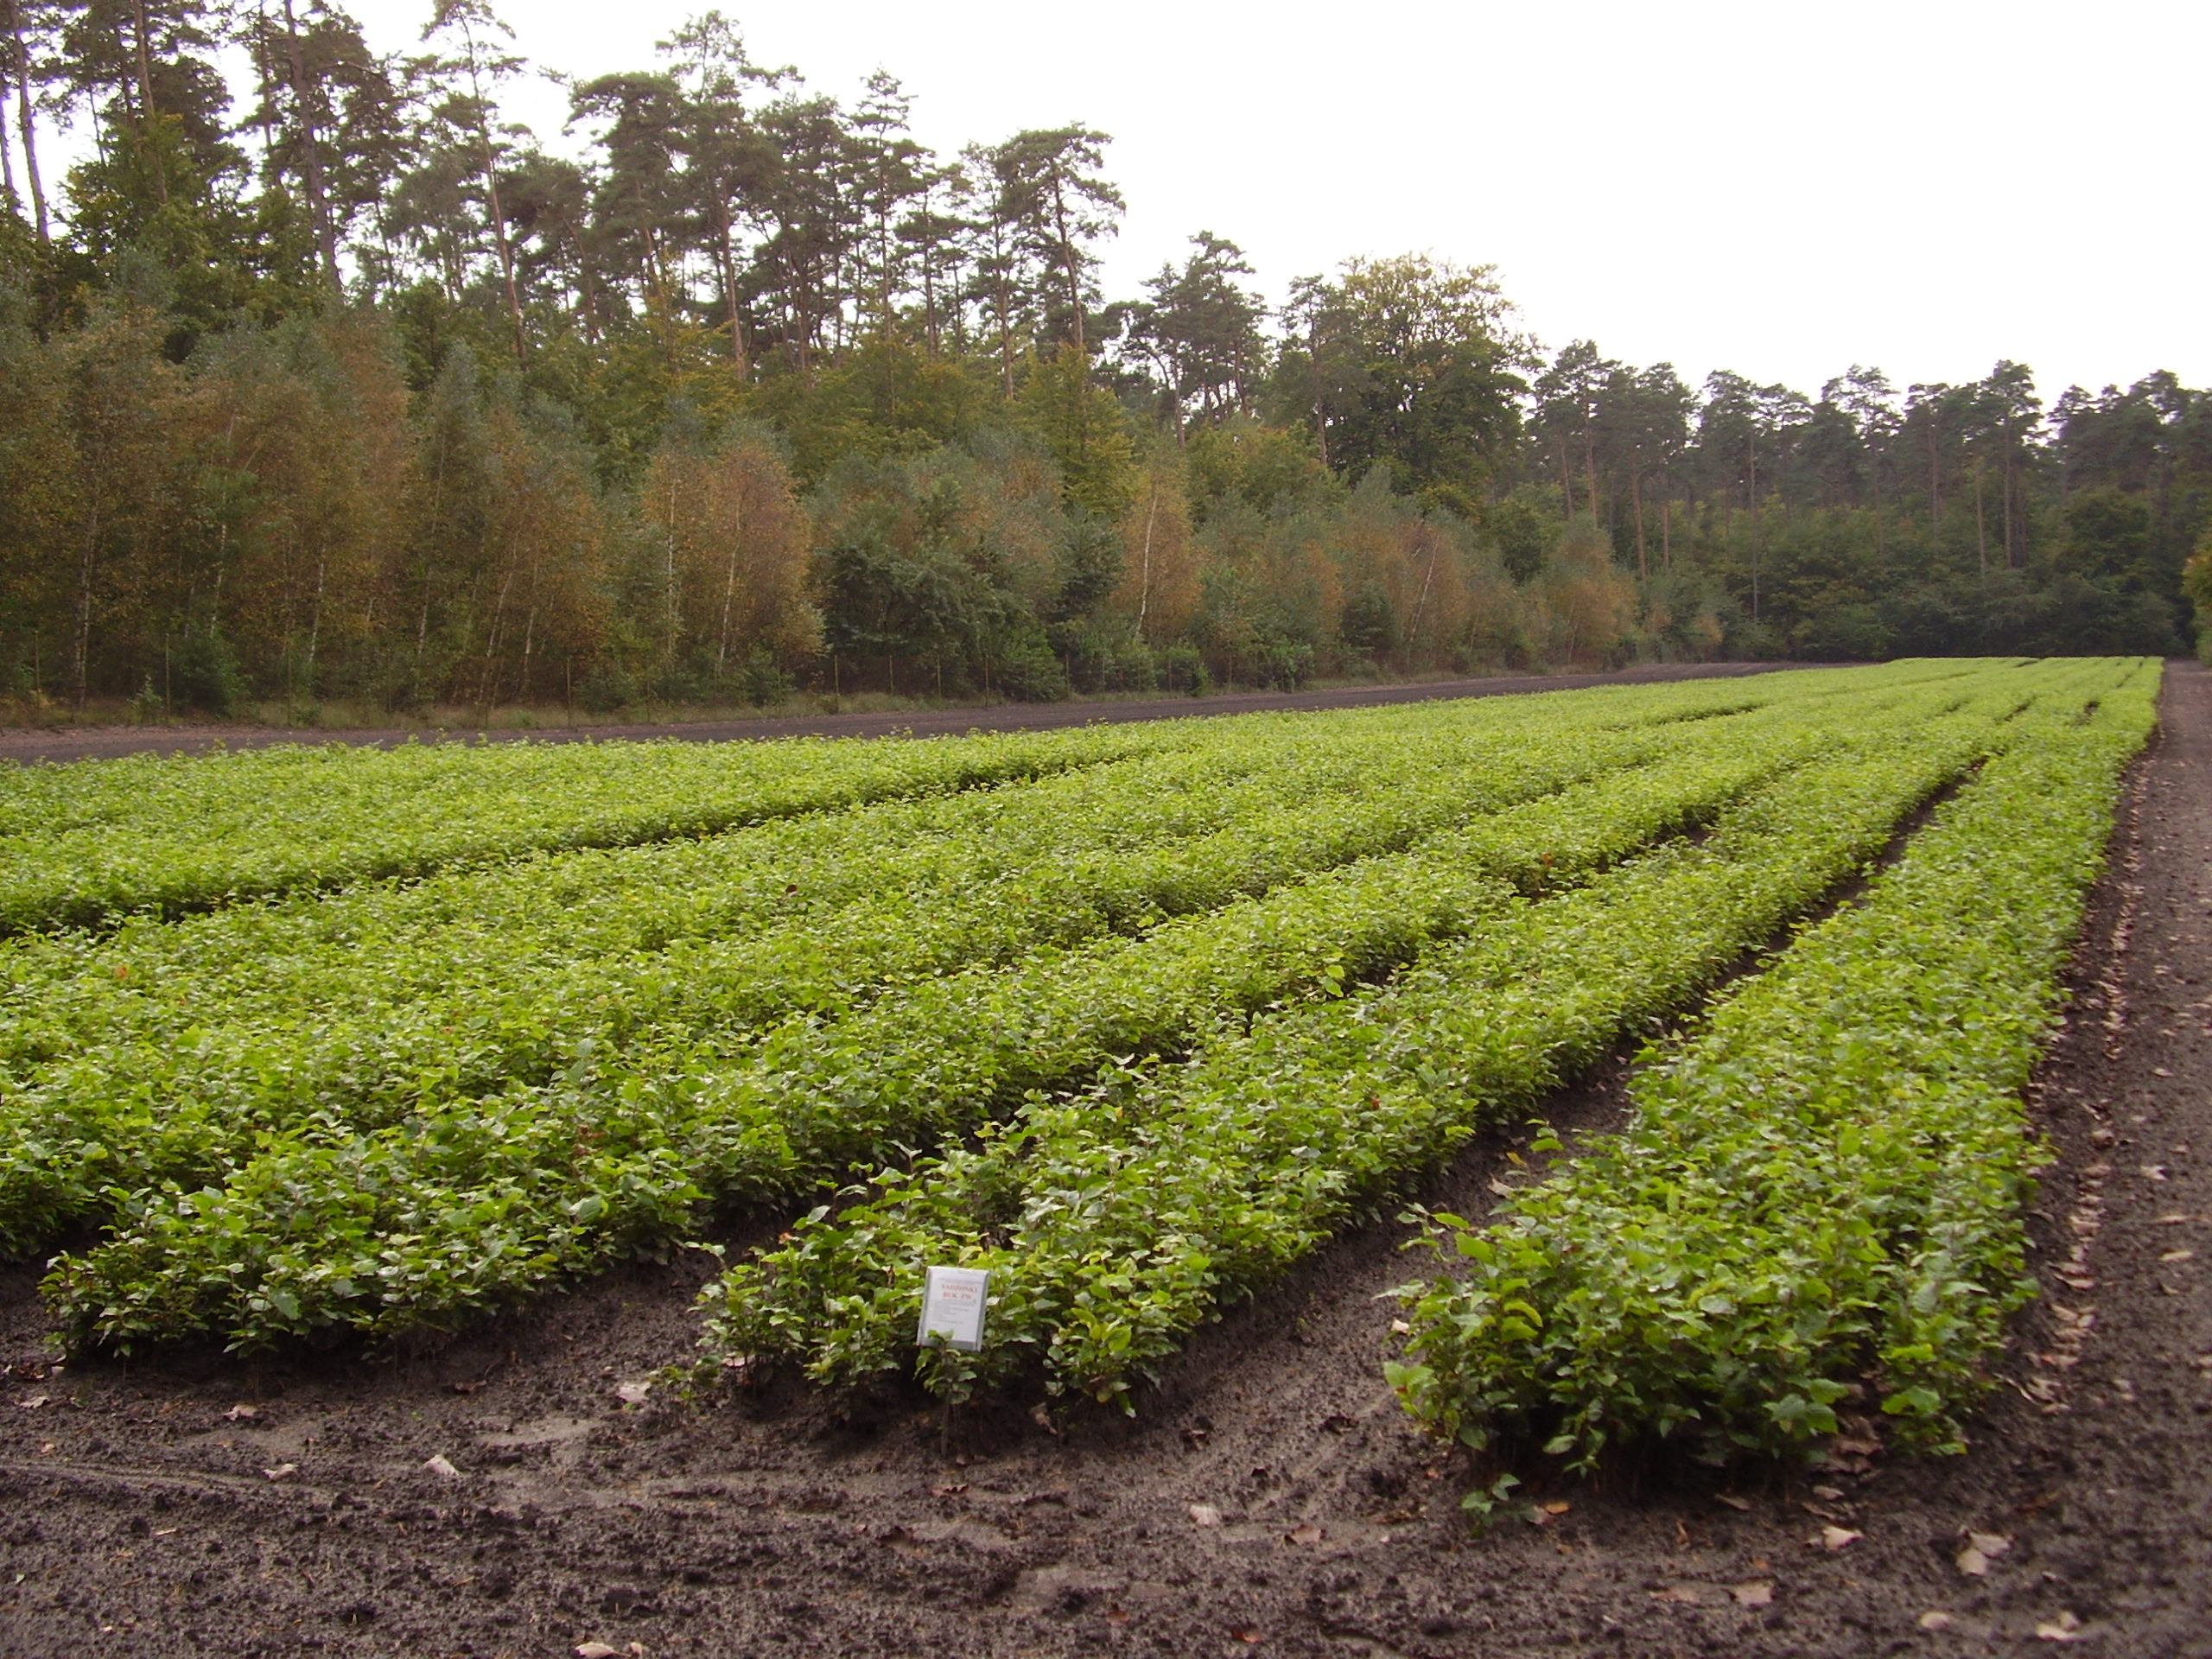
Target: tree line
x=341, y=384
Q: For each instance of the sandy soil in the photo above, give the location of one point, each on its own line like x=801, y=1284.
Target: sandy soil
x=104, y=742
x=196, y=1505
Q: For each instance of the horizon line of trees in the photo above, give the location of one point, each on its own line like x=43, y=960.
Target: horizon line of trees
x=340, y=384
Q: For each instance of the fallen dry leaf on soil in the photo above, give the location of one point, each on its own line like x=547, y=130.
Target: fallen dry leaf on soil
x=1305, y=1534
x=1934, y=1619
x=633, y=1394
x=1835, y=1537
x=2065, y=1628
x=597, y=1650
x=281, y=1471
x=1686, y=1595
x=1757, y=1593
x=443, y=1466
x=243, y=1413
x=1980, y=1549
x=1205, y=1515
x=1731, y=1500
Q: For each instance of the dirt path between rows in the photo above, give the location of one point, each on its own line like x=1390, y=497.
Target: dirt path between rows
x=106, y=742
x=177, y=1508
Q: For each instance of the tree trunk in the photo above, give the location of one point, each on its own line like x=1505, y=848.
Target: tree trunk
x=584, y=289
x=489, y=681
x=728, y=259
x=264, y=72
x=1636, y=504
x=2009, y=559
x=1068, y=264
x=24, y=125
x=1934, y=492
x=492, y=197
x=883, y=284
x=1006, y=344
x=1003, y=307
x=1421, y=603
x=1874, y=495
x=7, y=148
x=1758, y=528
x=1144, y=578
x=314, y=618
x=529, y=639
x=929, y=297
x=81, y=667
x=729, y=584
x=326, y=233
x=146, y=107
x=506, y=249
x=1981, y=526
x=675, y=609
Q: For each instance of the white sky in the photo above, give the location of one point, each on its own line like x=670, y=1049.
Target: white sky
x=1779, y=188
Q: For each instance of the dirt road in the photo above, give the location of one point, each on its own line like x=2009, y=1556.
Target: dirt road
x=187, y=1507
x=104, y=742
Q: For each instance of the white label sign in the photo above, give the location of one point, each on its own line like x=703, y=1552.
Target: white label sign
x=952, y=1308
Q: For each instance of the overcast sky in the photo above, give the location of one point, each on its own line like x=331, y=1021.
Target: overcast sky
x=1779, y=188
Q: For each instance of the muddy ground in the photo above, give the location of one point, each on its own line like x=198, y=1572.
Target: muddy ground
x=105, y=742
x=197, y=1506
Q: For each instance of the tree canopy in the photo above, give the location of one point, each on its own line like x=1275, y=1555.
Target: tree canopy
x=340, y=384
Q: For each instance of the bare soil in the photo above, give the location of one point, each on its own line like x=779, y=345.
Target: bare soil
x=105, y=742
x=192, y=1505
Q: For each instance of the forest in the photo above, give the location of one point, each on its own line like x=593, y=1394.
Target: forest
x=326, y=386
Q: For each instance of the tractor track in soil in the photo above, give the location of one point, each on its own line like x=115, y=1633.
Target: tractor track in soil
x=136, y=1517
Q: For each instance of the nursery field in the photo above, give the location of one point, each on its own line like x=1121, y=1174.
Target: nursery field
x=318, y=1062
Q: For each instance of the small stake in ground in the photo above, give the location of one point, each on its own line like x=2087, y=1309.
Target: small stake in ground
x=953, y=1300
